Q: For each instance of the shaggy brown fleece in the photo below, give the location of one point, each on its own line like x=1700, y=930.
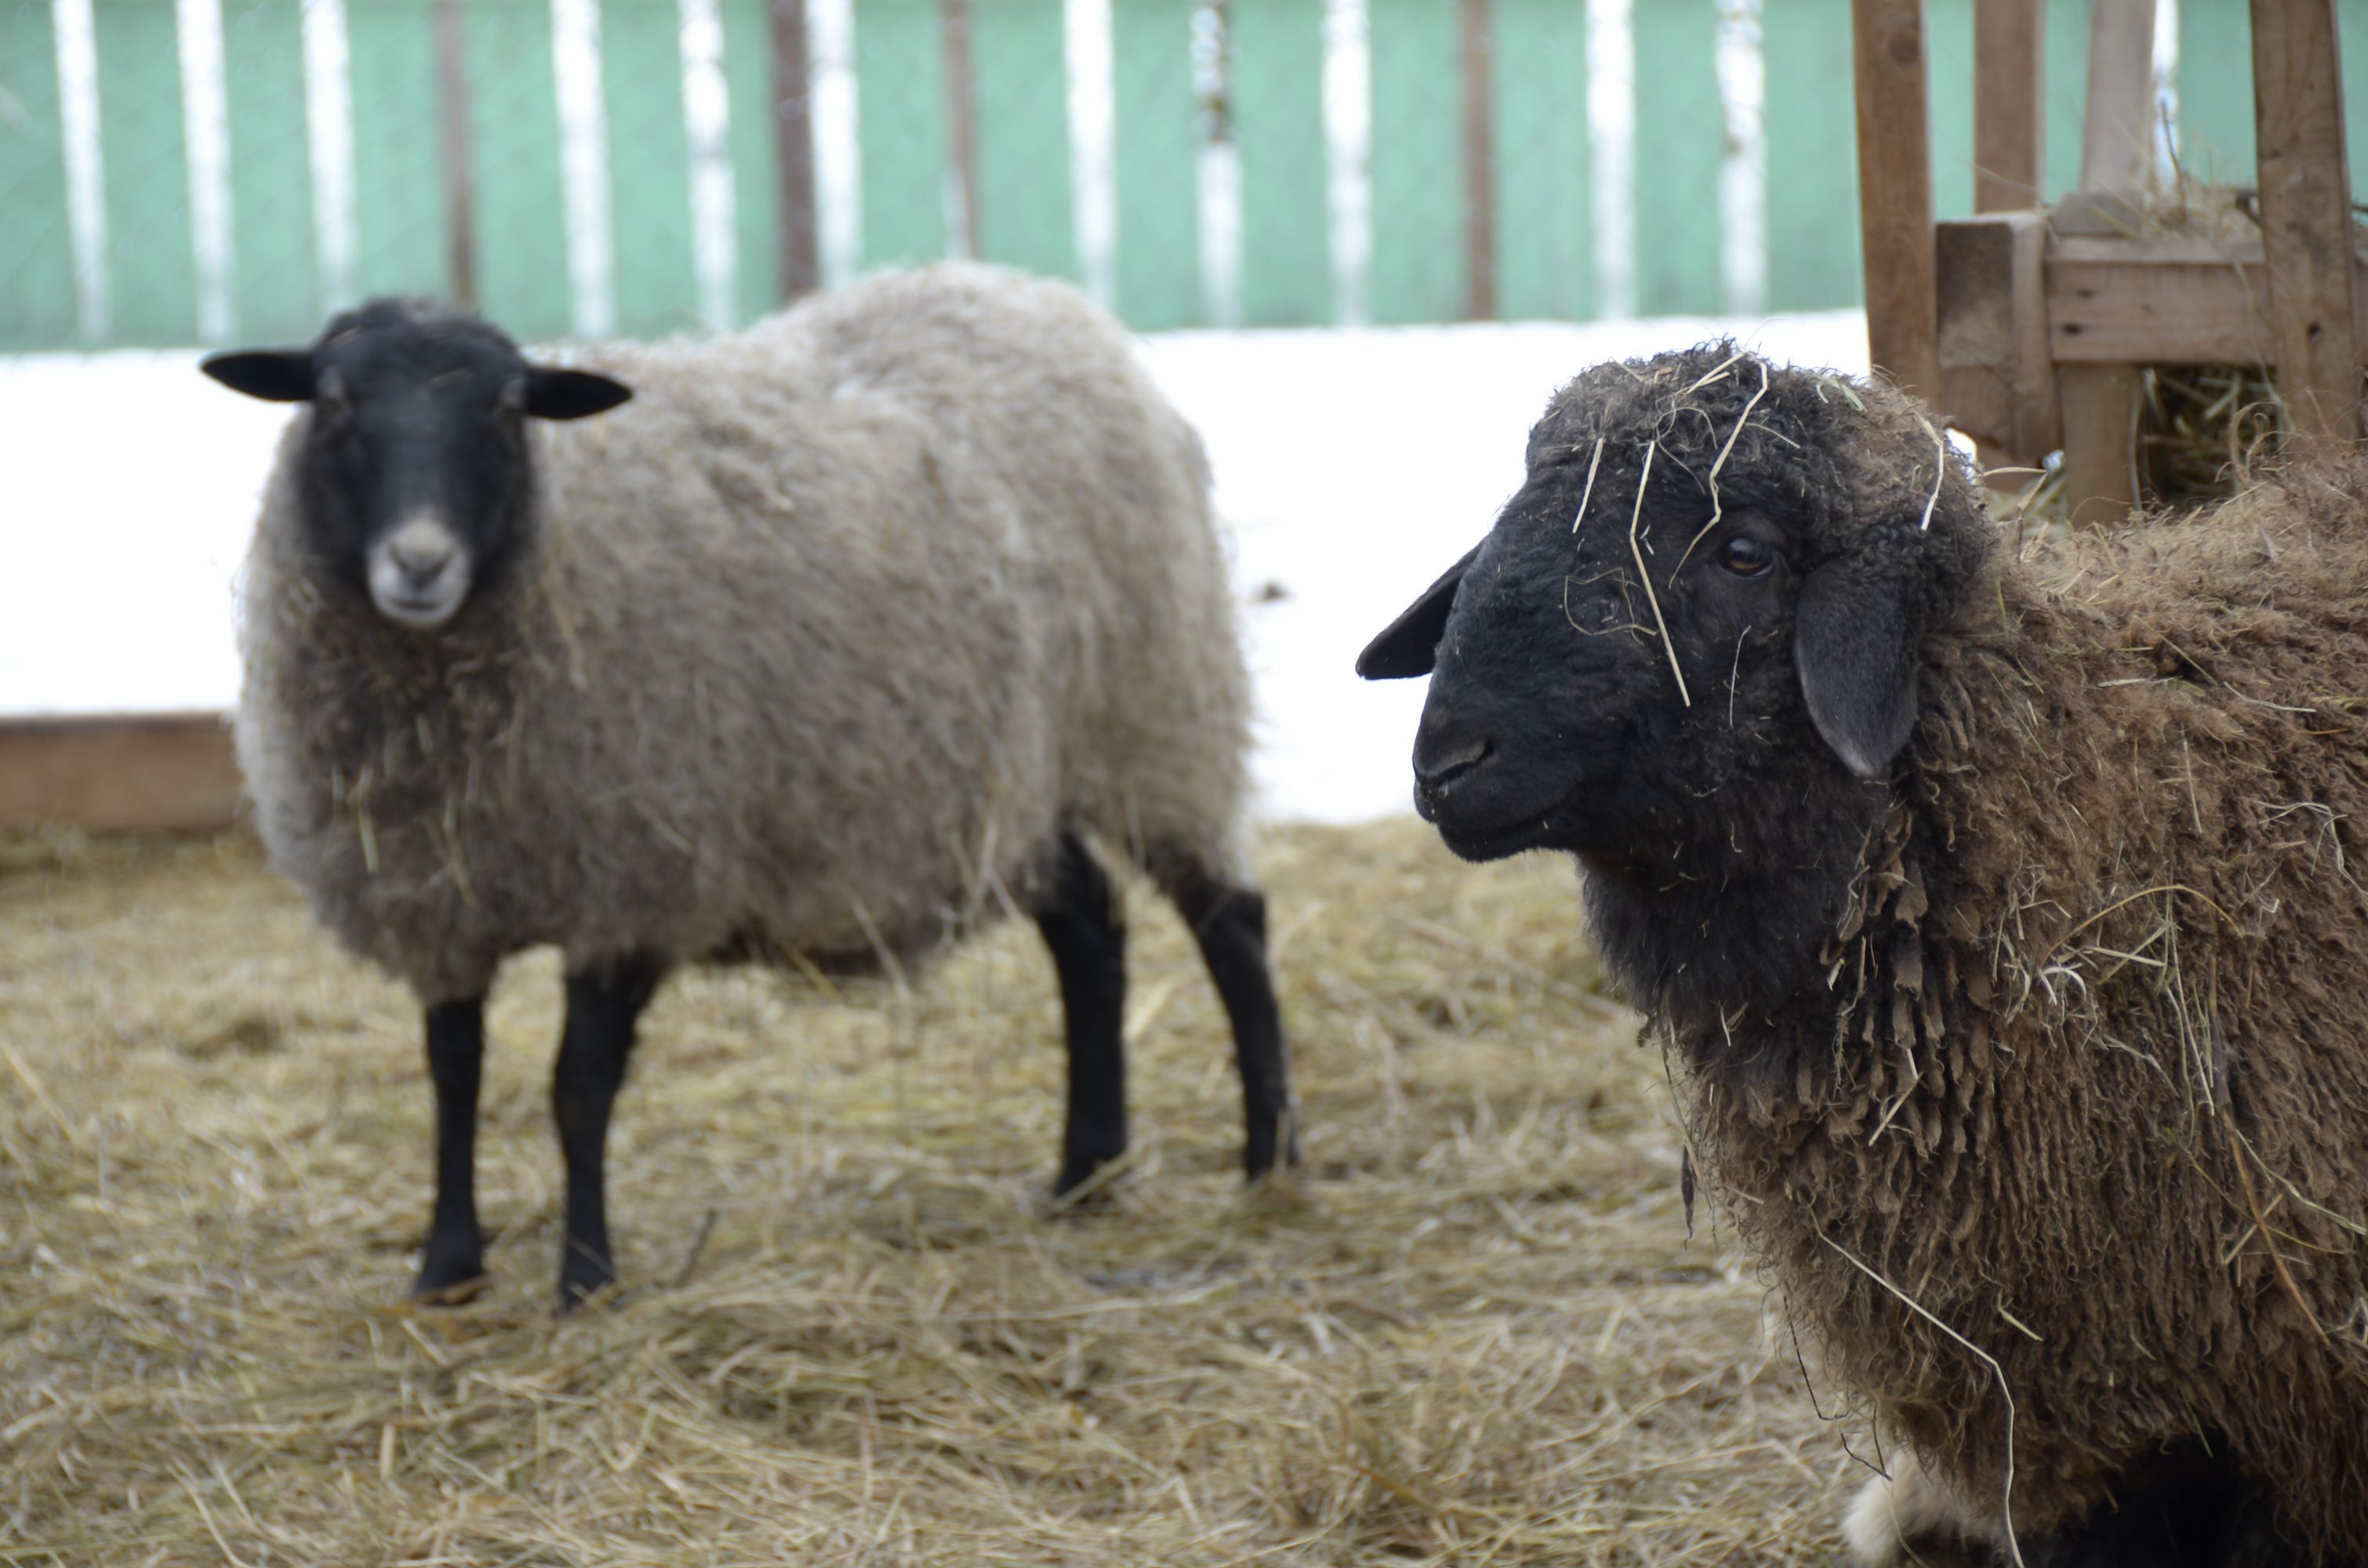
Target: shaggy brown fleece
x=2084, y=1119
x=2004, y=914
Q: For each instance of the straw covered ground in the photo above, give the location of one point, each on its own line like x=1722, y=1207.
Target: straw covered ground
x=1475, y=1333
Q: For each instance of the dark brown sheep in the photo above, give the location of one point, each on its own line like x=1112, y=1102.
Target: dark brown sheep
x=2002, y=912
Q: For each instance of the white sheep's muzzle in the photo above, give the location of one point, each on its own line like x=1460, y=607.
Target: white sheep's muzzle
x=419, y=572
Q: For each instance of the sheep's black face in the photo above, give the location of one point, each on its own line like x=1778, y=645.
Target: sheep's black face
x=414, y=471
x=1557, y=716
x=1687, y=653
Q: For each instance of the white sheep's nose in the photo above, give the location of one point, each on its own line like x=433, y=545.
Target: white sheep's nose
x=419, y=574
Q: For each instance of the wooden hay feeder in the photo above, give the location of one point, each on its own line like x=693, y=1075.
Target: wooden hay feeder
x=2031, y=327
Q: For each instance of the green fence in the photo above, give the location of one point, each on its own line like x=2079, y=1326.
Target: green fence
x=457, y=154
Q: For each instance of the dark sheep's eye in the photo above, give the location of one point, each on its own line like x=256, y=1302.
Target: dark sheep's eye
x=1746, y=557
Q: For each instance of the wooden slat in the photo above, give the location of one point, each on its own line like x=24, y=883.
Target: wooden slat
x=400, y=243
x=452, y=150
x=1895, y=182
x=959, y=77
x=1812, y=242
x=1997, y=381
x=899, y=107
x=518, y=204
x=755, y=186
x=1026, y=214
x=1545, y=265
x=2306, y=213
x=1479, y=47
x=1417, y=272
x=1678, y=235
x=37, y=286
x=1276, y=101
x=154, y=773
x=2158, y=302
x=649, y=167
x=271, y=171
x=152, y=270
x=793, y=157
x=1158, y=157
x=2116, y=139
x=2010, y=103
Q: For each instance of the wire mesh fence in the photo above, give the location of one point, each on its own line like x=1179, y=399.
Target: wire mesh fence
x=186, y=171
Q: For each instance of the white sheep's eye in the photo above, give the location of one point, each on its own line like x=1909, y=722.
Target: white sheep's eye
x=1748, y=557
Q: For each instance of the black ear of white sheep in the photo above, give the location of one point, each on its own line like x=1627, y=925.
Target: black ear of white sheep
x=1409, y=645
x=286, y=375
x=571, y=394
x=275, y=375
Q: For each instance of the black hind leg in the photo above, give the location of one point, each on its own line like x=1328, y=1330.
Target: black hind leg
x=1083, y=927
x=2186, y=1508
x=1229, y=922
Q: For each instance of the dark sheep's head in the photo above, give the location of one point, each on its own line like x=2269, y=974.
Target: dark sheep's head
x=1687, y=651
x=415, y=473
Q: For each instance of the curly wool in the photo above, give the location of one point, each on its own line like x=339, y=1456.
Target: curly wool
x=2080, y=1115
x=817, y=645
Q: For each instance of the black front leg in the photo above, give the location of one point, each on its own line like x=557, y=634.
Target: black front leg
x=1082, y=927
x=453, y=1265
x=1229, y=922
x=604, y=1003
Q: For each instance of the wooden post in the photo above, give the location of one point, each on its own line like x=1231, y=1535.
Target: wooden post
x=1479, y=160
x=793, y=149
x=120, y=773
x=2306, y=215
x=453, y=145
x=1894, y=192
x=2009, y=105
x=2101, y=401
x=961, y=125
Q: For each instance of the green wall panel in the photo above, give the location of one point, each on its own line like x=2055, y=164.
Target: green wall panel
x=1026, y=204
x=2068, y=89
x=756, y=181
x=519, y=210
x=1681, y=138
x=1545, y=263
x=1277, y=92
x=37, y=289
x=649, y=167
x=1949, y=70
x=2216, y=90
x=152, y=276
x=1418, y=261
x=900, y=110
x=1158, y=157
x=1812, y=149
x=276, y=282
x=398, y=186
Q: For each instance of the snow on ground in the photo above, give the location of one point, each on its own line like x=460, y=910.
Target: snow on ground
x=1353, y=466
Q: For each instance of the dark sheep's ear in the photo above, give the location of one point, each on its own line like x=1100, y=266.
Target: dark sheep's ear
x=275, y=375
x=1854, y=648
x=1409, y=645
x=571, y=394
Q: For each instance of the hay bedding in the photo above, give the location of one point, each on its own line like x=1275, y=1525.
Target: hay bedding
x=852, y=1335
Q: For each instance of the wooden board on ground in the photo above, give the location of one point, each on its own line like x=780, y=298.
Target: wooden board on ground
x=127, y=773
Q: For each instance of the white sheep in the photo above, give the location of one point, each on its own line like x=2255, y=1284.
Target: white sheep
x=839, y=640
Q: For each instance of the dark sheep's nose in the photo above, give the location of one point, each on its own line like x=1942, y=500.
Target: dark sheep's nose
x=1445, y=750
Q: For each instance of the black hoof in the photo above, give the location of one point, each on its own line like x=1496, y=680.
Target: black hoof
x=1085, y=1185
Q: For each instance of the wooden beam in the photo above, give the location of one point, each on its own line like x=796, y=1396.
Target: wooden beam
x=1997, y=380
x=2010, y=103
x=1479, y=159
x=2306, y=215
x=1895, y=191
x=961, y=121
x=801, y=262
x=452, y=150
x=2117, y=133
x=2158, y=302
x=140, y=773
x=2100, y=430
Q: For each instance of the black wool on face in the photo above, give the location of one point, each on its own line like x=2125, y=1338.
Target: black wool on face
x=1686, y=653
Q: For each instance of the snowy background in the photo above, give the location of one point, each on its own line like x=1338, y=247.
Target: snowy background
x=1353, y=465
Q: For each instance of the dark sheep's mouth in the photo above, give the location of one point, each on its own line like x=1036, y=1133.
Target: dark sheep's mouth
x=1498, y=837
